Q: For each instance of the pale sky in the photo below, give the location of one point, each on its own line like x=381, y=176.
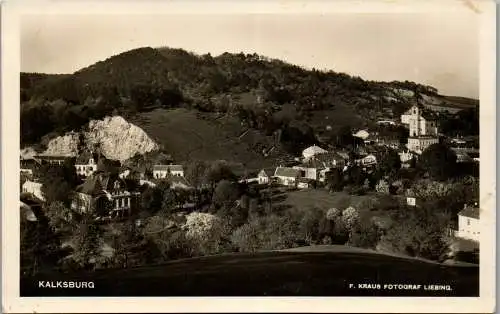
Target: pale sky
x=441, y=50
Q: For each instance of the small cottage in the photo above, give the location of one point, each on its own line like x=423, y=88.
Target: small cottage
x=34, y=188
x=308, y=172
x=265, y=176
x=287, y=176
x=468, y=223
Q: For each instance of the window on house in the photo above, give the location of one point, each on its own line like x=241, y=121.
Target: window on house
x=468, y=222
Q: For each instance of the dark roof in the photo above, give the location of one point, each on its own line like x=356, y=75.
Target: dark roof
x=268, y=171
x=99, y=182
x=30, y=199
x=28, y=164
x=83, y=158
x=94, y=184
x=470, y=211
x=287, y=172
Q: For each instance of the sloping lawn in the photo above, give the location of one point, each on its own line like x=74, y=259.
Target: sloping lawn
x=187, y=135
x=322, y=199
x=271, y=274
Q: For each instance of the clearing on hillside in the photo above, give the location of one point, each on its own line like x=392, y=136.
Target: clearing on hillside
x=191, y=135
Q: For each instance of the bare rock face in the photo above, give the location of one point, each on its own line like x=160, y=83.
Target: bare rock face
x=28, y=153
x=66, y=145
x=117, y=139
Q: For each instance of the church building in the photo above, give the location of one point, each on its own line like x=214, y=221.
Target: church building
x=423, y=128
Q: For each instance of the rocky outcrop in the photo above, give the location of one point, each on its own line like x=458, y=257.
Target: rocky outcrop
x=66, y=145
x=28, y=153
x=117, y=139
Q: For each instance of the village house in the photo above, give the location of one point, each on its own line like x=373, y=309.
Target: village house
x=304, y=183
x=468, y=223
x=315, y=169
x=86, y=164
x=34, y=188
x=406, y=156
x=105, y=196
x=310, y=173
x=362, y=134
x=265, y=176
x=287, y=176
x=367, y=161
x=387, y=141
x=28, y=166
x=162, y=171
x=423, y=128
x=331, y=160
x=179, y=182
x=312, y=151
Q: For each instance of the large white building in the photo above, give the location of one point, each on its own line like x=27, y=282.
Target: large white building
x=468, y=223
x=423, y=128
x=162, y=171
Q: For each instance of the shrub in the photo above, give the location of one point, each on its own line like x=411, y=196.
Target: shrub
x=333, y=214
x=208, y=233
x=419, y=232
x=350, y=217
x=382, y=187
x=309, y=226
x=265, y=233
x=364, y=235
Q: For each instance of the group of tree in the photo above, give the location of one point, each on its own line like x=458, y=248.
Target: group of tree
x=144, y=79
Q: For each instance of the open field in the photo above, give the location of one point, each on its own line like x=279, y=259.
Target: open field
x=308, y=199
x=271, y=274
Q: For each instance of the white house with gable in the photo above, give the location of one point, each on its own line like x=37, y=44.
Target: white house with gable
x=86, y=164
x=468, y=223
x=34, y=188
x=265, y=176
x=287, y=176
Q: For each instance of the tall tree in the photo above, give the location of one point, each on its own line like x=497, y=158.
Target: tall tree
x=439, y=161
x=88, y=240
x=40, y=247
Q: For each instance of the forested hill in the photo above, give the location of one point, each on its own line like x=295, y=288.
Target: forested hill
x=257, y=89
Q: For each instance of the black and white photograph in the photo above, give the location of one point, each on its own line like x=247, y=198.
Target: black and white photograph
x=281, y=153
